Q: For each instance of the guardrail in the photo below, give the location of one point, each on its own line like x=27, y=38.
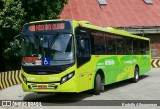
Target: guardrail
x=9, y=78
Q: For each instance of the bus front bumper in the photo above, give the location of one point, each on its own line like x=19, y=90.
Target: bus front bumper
x=69, y=86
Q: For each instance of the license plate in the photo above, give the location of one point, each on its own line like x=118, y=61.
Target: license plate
x=42, y=87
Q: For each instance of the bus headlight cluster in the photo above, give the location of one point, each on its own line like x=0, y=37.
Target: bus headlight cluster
x=24, y=79
x=67, y=77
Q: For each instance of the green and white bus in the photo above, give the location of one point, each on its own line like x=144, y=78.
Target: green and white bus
x=75, y=56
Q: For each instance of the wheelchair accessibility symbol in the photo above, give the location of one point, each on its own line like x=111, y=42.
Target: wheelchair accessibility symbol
x=46, y=61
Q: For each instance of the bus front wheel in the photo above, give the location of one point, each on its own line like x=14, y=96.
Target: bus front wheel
x=97, y=84
x=136, y=75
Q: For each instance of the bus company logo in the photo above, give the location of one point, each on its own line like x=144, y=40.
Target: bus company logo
x=130, y=61
x=134, y=60
x=54, y=78
x=30, y=79
x=109, y=62
x=100, y=64
x=42, y=78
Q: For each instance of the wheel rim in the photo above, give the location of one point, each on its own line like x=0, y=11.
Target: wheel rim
x=137, y=75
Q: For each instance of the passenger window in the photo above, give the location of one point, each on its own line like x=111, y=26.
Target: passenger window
x=98, y=45
x=120, y=46
x=136, y=47
x=110, y=45
x=129, y=46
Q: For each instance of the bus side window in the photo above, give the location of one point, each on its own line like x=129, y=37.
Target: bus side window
x=129, y=46
x=136, y=47
x=120, y=45
x=110, y=44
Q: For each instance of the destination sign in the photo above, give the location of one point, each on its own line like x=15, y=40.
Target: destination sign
x=30, y=59
x=47, y=26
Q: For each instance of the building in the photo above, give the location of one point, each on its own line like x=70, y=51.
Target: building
x=140, y=17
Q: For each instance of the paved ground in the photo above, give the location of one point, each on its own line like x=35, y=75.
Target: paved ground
x=148, y=88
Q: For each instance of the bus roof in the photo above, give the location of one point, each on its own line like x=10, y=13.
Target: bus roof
x=110, y=30
x=87, y=24
x=40, y=21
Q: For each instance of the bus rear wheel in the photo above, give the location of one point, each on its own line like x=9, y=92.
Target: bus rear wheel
x=97, y=84
x=136, y=75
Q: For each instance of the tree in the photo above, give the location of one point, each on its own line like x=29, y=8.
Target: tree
x=13, y=14
x=43, y=9
x=11, y=20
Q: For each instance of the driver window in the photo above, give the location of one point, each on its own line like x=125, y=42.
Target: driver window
x=83, y=47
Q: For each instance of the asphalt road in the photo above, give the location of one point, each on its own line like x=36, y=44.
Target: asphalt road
x=148, y=88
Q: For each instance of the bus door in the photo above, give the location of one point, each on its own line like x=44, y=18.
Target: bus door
x=83, y=57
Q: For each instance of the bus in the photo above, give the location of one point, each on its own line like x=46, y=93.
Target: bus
x=74, y=56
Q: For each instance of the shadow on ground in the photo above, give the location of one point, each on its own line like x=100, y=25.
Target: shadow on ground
x=123, y=83
x=72, y=98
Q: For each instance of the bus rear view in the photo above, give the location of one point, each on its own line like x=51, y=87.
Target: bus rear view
x=48, y=57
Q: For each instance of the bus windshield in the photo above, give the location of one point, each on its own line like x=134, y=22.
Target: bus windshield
x=47, y=49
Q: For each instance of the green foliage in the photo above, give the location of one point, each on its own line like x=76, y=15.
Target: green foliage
x=42, y=9
x=13, y=50
x=14, y=13
x=11, y=21
x=11, y=18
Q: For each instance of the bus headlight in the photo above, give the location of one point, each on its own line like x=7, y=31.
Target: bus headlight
x=67, y=77
x=24, y=79
x=70, y=75
x=64, y=79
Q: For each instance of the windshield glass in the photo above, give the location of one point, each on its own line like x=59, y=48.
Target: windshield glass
x=47, y=49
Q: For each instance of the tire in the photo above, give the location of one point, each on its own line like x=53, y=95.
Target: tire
x=97, y=84
x=136, y=75
x=102, y=87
